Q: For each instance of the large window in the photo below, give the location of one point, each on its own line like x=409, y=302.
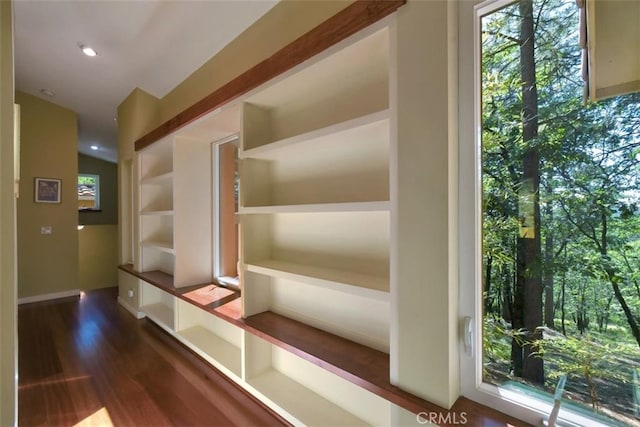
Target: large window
x=557, y=212
x=226, y=188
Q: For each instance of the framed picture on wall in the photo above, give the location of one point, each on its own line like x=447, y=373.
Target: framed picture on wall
x=48, y=190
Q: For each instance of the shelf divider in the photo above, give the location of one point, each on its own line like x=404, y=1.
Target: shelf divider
x=372, y=206
x=344, y=281
x=164, y=178
x=160, y=314
x=346, y=129
x=159, y=213
x=161, y=246
x=221, y=351
x=302, y=403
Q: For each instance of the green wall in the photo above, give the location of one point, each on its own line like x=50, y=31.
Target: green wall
x=47, y=263
x=98, y=259
x=8, y=336
x=108, y=173
x=98, y=240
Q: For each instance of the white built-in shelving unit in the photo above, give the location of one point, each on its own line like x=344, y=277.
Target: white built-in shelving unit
x=158, y=306
x=315, y=194
x=175, y=209
x=316, y=145
x=216, y=340
x=307, y=393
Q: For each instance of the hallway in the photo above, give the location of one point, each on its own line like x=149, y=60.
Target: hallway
x=87, y=361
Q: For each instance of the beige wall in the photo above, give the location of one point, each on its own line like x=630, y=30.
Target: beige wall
x=98, y=256
x=281, y=25
x=137, y=115
x=140, y=112
x=284, y=23
x=47, y=264
x=8, y=325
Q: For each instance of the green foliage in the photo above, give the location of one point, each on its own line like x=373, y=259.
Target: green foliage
x=583, y=357
x=589, y=202
x=86, y=180
x=496, y=340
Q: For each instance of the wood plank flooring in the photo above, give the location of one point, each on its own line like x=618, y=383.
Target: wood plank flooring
x=89, y=362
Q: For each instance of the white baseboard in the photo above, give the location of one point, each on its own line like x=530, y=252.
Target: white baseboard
x=137, y=314
x=47, y=297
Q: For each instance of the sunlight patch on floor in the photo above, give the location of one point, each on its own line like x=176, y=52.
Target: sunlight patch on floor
x=100, y=418
x=52, y=381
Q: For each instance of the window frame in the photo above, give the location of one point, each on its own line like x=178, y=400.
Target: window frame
x=217, y=217
x=527, y=408
x=97, y=202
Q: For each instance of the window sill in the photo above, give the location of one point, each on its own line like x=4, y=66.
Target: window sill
x=515, y=397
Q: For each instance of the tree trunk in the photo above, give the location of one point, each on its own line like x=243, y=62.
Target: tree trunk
x=507, y=303
x=527, y=305
x=487, y=286
x=564, y=288
x=625, y=307
x=582, y=319
x=548, y=273
x=614, y=278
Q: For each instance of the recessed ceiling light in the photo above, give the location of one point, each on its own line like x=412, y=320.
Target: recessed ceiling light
x=47, y=92
x=87, y=50
x=94, y=147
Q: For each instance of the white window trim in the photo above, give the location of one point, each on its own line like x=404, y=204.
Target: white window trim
x=526, y=408
x=217, y=252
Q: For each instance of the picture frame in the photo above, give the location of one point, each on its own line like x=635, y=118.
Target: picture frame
x=48, y=190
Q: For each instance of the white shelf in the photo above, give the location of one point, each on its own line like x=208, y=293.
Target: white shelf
x=348, y=83
x=156, y=159
x=344, y=281
x=375, y=206
x=161, y=246
x=162, y=179
x=221, y=351
x=350, y=248
x=361, y=128
x=315, y=226
x=343, y=163
x=307, y=407
x=157, y=213
x=159, y=313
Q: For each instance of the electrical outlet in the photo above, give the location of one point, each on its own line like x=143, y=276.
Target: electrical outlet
x=46, y=229
x=130, y=293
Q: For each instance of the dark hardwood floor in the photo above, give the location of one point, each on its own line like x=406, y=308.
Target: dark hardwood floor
x=88, y=361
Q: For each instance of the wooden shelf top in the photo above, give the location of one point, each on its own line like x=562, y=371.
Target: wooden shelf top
x=222, y=302
x=362, y=365
x=359, y=364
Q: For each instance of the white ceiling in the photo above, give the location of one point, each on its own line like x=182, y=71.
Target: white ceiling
x=153, y=45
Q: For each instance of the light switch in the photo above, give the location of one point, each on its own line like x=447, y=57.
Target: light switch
x=46, y=229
